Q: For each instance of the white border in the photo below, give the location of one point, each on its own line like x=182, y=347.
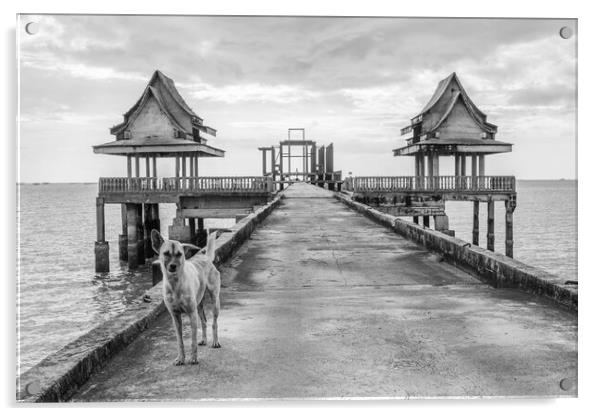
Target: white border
x=588, y=174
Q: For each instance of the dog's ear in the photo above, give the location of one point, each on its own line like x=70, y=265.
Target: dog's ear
x=157, y=240
x=190, y=250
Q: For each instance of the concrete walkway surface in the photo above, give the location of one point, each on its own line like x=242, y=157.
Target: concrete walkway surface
x=322, y=302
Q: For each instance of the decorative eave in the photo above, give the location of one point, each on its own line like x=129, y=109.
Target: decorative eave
x=157, y=146
x=454, y=146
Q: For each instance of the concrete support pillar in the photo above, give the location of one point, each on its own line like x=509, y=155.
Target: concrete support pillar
x=475, y=223
x=192, y=225
x=179, y=231
x=426, y=221
x=140, y=234
x=155, y=219
x=201, y=237
x=281, y=167
x=441, y=222
x=416, y=220
x=132, y=235
x=123, y=237
x=147, y=229
x=509, y=229
x=101, y=247
x=490, y=226
x=264, y=162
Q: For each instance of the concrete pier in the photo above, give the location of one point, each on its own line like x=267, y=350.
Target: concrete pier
x=323, y=302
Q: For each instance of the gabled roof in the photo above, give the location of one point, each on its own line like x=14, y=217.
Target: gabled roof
x=157, y=81
x=439, y=95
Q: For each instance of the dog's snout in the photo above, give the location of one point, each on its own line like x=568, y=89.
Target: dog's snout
x=172, y=267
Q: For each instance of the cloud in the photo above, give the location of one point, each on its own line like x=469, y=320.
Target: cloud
x=281, y=94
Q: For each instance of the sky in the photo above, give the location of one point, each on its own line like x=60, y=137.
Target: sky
x=354, y=82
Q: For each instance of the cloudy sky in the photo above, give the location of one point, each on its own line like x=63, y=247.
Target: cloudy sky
x=351, y=81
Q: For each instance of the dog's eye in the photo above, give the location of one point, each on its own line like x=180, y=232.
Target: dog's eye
x=178, y=254
x=167, y=254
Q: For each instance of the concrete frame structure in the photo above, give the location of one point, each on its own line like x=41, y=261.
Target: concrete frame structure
x=317, y=163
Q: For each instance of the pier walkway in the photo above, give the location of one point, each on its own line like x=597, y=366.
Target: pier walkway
x=322, y=302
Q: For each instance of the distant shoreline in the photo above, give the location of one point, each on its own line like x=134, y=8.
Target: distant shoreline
x=95, y=183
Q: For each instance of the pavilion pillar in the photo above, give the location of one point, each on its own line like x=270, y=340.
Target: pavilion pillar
x=123, y=237
x=196, y=166
x=458, y=170
x=509, y=229
x=463, y=165
x=177, y=172
x=313, y=163
x=148, y=172
x=481, y=165
x=264, y=162
x=154, y=166
x=101, y=246
x=490, y=226
x=132, y=235
x=137, y=166
x=184, y=172
x=475, y=223
x=435, y=169
x=474, y=171
x=129, y=161
x=426, y=221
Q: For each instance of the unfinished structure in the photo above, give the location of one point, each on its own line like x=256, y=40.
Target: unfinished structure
x=161, y=125
x=449, y=125
x=316, y=163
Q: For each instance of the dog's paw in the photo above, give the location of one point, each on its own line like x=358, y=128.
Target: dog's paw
x=193, y=361
x=203, y=342
x=178, y=361
x=216, y=345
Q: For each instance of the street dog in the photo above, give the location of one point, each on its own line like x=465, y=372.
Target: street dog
x=188, y=274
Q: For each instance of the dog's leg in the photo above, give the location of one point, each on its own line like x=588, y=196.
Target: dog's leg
x=203, y=324
x=177, y=324
x=194, y=320
x=215, y=315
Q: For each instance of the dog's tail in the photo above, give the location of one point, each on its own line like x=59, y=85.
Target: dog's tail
x=211, y=245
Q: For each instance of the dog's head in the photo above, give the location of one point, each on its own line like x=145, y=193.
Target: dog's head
x=172, y=254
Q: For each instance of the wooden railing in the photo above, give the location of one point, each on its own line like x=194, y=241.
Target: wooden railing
x=226, y=184
x=499, y=184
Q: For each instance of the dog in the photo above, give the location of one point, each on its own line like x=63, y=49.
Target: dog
x=189, y=273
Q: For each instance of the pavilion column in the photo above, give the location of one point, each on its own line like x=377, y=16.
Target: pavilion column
x=148, y=171
x=474, y=171
x=435, y=170
x=137, y=166
x=490, y=226
x=129, y=161
x=475, y=223
x=481, y=168
x=264, y=162
x=177, y=172
x=426, y=221
x=509, y=229
x=154, y=166
x=192, y=225
x=101, y=247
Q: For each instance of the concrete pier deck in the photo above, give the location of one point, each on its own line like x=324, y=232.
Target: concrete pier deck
x=322, y=302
